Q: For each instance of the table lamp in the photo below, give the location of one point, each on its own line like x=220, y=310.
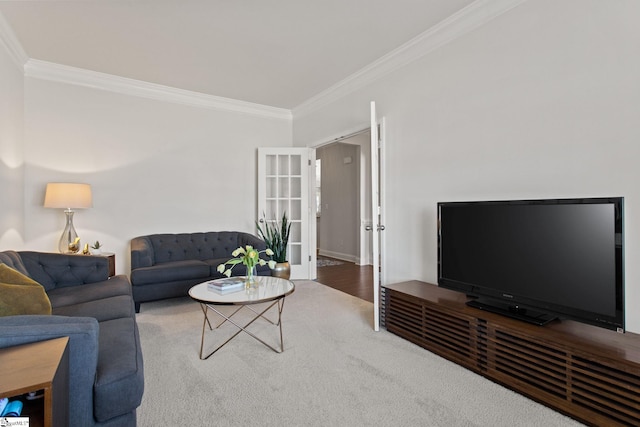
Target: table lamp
x=68, y=196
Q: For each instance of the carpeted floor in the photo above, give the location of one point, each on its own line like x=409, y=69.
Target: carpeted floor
x=335, y=371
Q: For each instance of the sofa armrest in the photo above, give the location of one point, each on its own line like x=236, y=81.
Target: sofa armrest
x=245, y=239
x=83, y=353
x=53, y=270
x=141, y=252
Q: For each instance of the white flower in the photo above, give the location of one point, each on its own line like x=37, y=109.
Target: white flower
x=248, y=256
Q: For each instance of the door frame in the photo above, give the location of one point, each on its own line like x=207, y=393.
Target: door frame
x=364, y=251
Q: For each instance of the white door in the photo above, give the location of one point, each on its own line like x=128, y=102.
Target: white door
x=377, y=210
x=283, y=186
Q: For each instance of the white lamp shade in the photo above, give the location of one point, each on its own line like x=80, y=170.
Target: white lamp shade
x=67, y=195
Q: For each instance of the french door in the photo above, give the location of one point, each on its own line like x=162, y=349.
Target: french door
x=283, y=187
x=377, y=210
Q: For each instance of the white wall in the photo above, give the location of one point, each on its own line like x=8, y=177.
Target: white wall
x=11, y=152
x=541, y=102
x=154, y=166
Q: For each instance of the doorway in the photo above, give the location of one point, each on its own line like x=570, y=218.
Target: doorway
x=342, y=216
x=346, y=277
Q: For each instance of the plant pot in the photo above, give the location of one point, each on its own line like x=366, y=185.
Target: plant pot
x=282, y=270
x=96, y=251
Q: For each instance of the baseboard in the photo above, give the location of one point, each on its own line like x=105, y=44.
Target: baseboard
x=337, y=255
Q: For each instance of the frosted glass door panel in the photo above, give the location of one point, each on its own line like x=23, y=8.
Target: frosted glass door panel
x=283, y=187
x=296, y=210
x=272, y=165
x=296, y=187
x=296, y=165
x=271, y=187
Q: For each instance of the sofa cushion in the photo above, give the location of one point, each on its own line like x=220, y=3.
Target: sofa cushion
x=101, y=309
x=119, y=381
x=70, y=295
x=170, y=271
x=20, y=294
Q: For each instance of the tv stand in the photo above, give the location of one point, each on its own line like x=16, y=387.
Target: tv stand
x=539, y=318
x=589, y=373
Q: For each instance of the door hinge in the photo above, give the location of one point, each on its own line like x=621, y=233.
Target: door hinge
x=309, y=258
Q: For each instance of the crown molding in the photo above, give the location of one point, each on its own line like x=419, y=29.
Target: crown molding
x=467, y=19
x=460, y=23
x=10, y=41
x=80, y=77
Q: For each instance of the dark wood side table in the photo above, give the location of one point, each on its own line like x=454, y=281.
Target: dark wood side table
x=41, y=367
x=111, y=257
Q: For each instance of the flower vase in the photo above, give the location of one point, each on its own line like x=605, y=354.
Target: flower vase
x=250, y=280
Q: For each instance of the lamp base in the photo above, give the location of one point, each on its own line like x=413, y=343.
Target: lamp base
x=69, y=241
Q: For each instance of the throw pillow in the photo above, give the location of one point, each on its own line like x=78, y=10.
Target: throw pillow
x=20, y=294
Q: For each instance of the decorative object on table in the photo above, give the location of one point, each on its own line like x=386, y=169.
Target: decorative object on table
x=68, y=196
x=276, y=236
x=226, y=286
x=249, y=257
x=96, y=248
x=85, y=250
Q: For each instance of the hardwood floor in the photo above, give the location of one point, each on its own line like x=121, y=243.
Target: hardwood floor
x=347, y=277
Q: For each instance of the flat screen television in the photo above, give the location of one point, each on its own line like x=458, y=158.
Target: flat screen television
x=537, y=260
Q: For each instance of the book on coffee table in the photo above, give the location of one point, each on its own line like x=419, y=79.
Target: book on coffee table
x=230, y=284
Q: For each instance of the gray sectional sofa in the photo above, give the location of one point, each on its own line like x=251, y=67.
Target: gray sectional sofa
x=167, y=265
x=96, y=312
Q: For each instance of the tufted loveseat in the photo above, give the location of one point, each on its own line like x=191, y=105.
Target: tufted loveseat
x=167, y=265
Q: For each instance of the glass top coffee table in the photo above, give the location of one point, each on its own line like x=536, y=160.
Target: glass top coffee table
x=269, y=290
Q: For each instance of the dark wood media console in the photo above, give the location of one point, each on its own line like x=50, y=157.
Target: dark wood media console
x=589, y=373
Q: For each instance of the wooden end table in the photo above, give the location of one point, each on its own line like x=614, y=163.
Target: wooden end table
x=33, y=367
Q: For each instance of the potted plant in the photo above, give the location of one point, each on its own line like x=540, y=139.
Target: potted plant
x=96, y=248
x=276, y=236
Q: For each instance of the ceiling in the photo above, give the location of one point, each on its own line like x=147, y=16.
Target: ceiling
x=277, y=53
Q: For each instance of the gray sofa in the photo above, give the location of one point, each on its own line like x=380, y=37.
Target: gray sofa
x=97, y=314
x=167, y=265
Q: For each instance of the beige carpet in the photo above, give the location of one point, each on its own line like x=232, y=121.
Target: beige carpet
x=335, y=371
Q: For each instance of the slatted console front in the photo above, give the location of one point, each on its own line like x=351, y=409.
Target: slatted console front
x=589, y=373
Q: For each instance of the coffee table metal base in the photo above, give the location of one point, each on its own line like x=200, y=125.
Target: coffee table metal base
x=258, y=314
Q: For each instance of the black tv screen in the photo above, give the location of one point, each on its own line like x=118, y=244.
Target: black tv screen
x=536, y=259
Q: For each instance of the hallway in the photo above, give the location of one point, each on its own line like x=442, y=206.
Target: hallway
x=347, y=277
